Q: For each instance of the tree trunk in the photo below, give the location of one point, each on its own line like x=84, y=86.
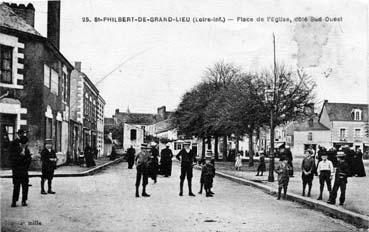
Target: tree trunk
x=225, y=148
x=251, y=149
x=203, y=148
x=216, y=151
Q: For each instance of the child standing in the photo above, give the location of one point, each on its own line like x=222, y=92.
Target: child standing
x=261, y=167
x=238, y=163
x=207, y=175
x=283, y=176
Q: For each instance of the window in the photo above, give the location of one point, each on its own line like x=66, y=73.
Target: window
x=65, y=84
x=54, y=82
x=6, y=64
x=47, y=76
x=310, y=136
x=342, y=133
x=356, y=114
x=133, y=134
x=49, y=128
x=357, y=133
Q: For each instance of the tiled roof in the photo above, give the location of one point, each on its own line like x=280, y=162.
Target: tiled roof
x=343, y=111
x=10, y=20
x=109, y=121
x=164, y=125
x=136, y=118
x=309, y=124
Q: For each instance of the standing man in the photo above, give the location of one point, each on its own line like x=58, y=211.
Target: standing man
x=48, y=158
x=166, y=161
x=142, y=162
x=188, y=159
x=20, y=158
x=308, y=170
x=340, y=181
x=131, y=157
x=325, y=172
x=154, y=164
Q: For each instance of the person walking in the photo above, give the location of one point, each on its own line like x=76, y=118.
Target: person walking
x=358, y=164
x=261, y=167
x=166, y=161
x=20, y=159
x=49, y=159
x=89, y=156
x=283, y=170
x=187, y=158
x=340, y=181
x=308, y=170
x=154, y=163
x=141, y=161
x=325, y=172
x=131, y=157
x=238, y=162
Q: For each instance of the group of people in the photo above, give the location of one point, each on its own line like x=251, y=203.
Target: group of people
x=147, y=165
x=327, y=165
x=20, y=159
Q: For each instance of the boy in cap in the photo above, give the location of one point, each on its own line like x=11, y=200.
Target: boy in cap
x=283, y=170
x=142, y=161
x=340, y=181
x=308, y=170
x=325, y=173
x=202, y=162
x=207, y=175
x=48, y=158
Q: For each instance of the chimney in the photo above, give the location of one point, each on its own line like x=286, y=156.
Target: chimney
x=78, y=65
x=53, y=22
x=117, y=111
x=161, y=112
x=27, y=13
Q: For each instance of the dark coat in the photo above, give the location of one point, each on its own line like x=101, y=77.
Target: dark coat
x=358, y=165
x=261, y=167
x=20, y=159
x=207, y=175
x=48, y=165
x=89, y=157
x=187, y=159
x=131, y=154
x=166, y=162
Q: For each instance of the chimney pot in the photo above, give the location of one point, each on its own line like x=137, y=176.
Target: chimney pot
x=26, y=13
x=78, y=66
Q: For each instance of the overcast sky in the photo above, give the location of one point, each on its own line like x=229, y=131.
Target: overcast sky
x=166, y=59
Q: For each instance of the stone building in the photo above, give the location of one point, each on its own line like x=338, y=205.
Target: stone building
x=34, y=80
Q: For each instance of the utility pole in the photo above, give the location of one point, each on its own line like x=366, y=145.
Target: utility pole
x=271, y=156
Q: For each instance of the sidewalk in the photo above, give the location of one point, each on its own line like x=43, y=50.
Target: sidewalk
x=357, y=196
x=70, y=170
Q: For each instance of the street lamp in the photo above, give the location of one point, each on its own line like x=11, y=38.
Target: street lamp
x=269, y=97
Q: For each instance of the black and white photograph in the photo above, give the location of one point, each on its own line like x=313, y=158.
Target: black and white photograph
x=189, y=116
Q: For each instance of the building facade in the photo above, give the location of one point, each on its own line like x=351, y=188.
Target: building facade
x=347, y=123
x=33, y=73
x=87, y=113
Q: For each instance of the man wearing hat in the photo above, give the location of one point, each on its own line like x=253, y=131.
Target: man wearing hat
x=142, y=161
x=166, y=161
x=131, y=157
x=340, y=181
x=48, y=158
x=188, y=159
x=20, y=158
x=325, y=172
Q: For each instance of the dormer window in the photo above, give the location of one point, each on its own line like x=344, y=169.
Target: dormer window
x=356, y=114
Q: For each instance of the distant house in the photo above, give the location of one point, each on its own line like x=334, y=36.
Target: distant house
x=346, y=123
x=308, y=133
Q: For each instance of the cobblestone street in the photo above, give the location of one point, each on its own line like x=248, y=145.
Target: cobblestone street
x=106, y=202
